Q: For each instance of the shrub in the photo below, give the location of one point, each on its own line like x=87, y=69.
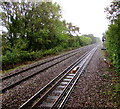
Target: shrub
x=113, y=43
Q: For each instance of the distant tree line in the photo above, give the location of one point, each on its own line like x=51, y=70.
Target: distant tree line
x=35, y=30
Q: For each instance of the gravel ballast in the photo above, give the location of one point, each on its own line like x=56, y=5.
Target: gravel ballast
x=15, y=97
x=89, y=92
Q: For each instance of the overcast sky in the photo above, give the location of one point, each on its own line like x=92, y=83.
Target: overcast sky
x=88, y=15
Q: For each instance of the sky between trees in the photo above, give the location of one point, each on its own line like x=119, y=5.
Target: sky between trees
x=87, y=14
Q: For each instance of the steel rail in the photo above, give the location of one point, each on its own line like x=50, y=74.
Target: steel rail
x=76, y=76
x=40, y=100
x=29, y=76
x=11, y=75
x=57, y=57
x=43, y=90
x=33, y=98
x=74, y=83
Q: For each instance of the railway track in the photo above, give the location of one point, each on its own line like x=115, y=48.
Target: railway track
x=17, y=77
x=56, y=93
x=14, y=74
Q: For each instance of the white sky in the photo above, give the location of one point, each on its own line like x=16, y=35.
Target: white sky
x=88, y=15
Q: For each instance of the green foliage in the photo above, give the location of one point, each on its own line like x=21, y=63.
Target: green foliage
x=85, y=40
x=116, y=94
x=93, y=38
x=36, y=30
x=17, y=54
x=113, y=48
x=112, y=36
x=113, y=33
x=113, y=11
x=116, y=88
x=113, y=43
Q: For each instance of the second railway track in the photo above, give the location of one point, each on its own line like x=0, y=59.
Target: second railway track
x=56, y=93
x=23, y=78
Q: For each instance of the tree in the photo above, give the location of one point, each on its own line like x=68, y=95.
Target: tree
x=34, y=23
x=113, y=11
x=71, y=29
x=113, y=33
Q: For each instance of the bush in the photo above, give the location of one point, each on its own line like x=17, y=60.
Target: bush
x=10, y=58
x=17, y=56
x=113, y=43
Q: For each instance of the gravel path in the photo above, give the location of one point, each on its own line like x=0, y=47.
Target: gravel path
x=13, y=98
x=90, y=88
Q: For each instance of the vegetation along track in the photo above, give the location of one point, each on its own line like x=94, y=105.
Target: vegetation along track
x=14, y=79
x=56, y=93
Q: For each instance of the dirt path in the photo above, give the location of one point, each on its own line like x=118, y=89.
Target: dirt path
x=90, y=90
